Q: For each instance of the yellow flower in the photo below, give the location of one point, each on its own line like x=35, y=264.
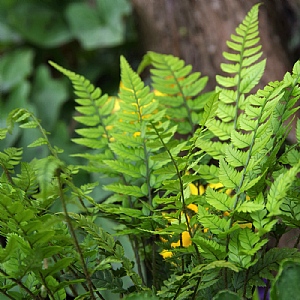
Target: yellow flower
x=186, y=241
x=193, y=207
x=243, y=225
x=218, y=186
x=166, y=254
x=136, y=134
x=196, y=190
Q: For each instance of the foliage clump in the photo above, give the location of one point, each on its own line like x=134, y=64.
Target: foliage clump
x=197, y=182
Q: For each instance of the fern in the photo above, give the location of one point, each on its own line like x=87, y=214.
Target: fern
x=246, y=72
x=198, y=210
x=177, y=89
x=9, y=158
x=96, y=114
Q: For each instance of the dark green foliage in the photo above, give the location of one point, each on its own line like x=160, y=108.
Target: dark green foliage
x=286, y=285
x=195, y=182
x=84, y=36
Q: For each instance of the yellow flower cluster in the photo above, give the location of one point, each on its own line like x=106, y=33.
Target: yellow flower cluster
x=185, y=236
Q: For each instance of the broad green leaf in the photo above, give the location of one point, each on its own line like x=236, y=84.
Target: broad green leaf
x=15, y=66
x=98, y=26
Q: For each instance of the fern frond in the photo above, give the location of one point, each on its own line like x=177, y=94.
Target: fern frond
x=245, y=71
x=215, y=224
x=279, y=189
x=177, y=89
x=10, y=158
x=95, y=112
x=119, y=188
x=219, y=201
x=210, y=249
x=26, y=180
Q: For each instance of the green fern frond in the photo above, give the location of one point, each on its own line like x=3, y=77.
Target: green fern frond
x=95, y=111
x=45, y=171
x=219, y=201
x=246, y=72
x=268, y=263
x=215, y=224
x=177, y=89
x=10, y=157
x=279, y=189
x=26, y=179
x=122, y=189
x=209, y=249
x=261, y=222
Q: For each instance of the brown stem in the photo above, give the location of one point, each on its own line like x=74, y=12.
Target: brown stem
x=75, y=240
x=20, y=283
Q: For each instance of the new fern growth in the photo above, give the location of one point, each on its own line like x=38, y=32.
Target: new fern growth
x=197, y=182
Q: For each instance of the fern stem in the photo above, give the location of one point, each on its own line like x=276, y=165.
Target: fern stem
x=49, y=292
x=245, y=283
x=138, y=259
x=44, y=134
x=76, y=243
x=6, y=295
x=196, y=289
x=20, y=283
x=71, y=287
x=181, y=190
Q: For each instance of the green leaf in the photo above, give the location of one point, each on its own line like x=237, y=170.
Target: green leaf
x=215, y=224
x=134, y=191
x=15, y=66
x=49, y=95
x=228, y=176
x=227, y=295
x=210, y=108
x=38, y=142
x=124, y=168
x=35, y=22
x=100, y=25
x=210, y=249
x=286, y=284
x=219, y=200
x=141, y=296
x=279, y=189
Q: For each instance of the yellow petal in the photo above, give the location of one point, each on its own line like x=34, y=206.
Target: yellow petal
x=193, y=207
x=246, y=225
x=196, y=190
x=175, y=244
x=215, y=185
x=166, y=254
x=186, y=239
